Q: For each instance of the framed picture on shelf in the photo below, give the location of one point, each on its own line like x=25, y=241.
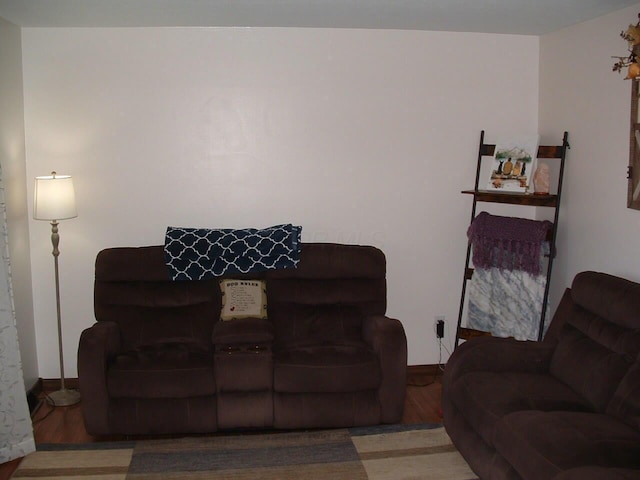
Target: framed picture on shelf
x=513, y=164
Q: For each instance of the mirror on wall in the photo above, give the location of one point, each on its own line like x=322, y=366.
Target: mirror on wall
x=633, y=194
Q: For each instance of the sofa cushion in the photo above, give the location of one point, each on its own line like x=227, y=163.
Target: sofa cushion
x=599, y=340
x=593, y=355
x=615, y=299
x=485, y=397
x=300, y=325
x=598, y=473
x=325, y=410
x=167, y=370
x=540, y=445
x=625, y=403
x=144, y=325
x=326, y=368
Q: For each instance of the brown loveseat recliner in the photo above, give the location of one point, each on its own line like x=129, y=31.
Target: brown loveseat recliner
x=567, y=408
x=159, y=360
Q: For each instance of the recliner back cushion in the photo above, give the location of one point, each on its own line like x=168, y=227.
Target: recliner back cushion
x=324, y=300
x=132, y=289
x=331, y=274
x=297, y=325
x=599, y=340
x=615, y=299
x=625, y=404
x=144, y=326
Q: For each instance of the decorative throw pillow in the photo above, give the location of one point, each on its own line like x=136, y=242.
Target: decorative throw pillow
x=243, y=299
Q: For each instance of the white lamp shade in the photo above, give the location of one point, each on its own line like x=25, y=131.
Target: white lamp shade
x=54, y=198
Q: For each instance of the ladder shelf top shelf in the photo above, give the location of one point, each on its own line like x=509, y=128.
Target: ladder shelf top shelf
x=514, y=198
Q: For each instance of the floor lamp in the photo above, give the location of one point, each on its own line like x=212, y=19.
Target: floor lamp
x=55, y=199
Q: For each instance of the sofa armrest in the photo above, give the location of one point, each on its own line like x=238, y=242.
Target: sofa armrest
x=242, y=332
x=387, y=338
x=495, y=354
x=98, y=344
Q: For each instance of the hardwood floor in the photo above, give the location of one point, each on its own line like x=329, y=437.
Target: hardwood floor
x=66, y=425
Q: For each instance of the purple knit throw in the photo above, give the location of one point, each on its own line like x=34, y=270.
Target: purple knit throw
x=507, y=243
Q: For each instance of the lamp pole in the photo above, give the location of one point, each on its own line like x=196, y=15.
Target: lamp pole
x=55, y=240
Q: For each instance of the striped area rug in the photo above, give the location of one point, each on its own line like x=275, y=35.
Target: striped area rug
x=394, y=452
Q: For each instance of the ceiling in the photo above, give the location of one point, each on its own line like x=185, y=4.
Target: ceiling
x=526, y=17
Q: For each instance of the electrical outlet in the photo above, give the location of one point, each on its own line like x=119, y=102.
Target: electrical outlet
x=440, y=326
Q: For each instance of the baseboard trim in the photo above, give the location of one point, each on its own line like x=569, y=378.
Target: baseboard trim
x=53, y=384
x=33, y=397
x=423, y=375
x=37, y=394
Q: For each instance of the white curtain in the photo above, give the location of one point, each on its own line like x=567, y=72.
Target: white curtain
x=16, y=431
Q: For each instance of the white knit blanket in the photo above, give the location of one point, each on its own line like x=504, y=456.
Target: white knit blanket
x=506, y=303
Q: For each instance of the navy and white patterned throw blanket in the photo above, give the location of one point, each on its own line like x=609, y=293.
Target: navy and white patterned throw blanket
x=200, y=253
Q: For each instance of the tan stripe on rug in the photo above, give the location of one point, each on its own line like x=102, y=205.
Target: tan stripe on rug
x=110, y=464
x=412, y=454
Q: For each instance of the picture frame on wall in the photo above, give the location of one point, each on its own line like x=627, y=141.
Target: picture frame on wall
x=514, y=163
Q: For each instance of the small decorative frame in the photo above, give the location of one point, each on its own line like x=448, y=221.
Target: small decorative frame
x=514, y=164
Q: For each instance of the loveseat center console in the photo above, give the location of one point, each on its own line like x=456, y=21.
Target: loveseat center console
x=243, y=363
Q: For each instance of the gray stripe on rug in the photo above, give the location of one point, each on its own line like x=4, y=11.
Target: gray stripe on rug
x=217, y=459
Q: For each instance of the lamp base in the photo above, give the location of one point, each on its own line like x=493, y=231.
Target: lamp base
x=63, y=398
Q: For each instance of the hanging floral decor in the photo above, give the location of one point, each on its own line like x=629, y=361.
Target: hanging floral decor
x=632, y=36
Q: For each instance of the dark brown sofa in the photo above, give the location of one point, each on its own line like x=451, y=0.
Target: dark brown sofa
x=567, y=408
x=158, y=360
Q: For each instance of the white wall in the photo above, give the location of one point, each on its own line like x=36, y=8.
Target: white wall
x=580, y=93
x=12, y=159
x=360, y=136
